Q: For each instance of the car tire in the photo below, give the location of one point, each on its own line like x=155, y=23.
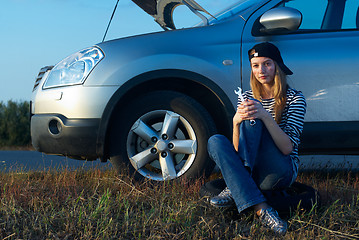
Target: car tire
x=162, y=135
x=298, y=196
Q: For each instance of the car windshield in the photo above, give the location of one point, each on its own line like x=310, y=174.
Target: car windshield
x=238, y=8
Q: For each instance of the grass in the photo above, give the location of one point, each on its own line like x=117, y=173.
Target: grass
x=17, y=148
x=98, y=204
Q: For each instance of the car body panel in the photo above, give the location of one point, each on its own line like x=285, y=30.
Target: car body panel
x=68, y=101
x=193, y=50
x=75, y=138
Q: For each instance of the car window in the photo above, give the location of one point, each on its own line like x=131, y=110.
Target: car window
x=351, y=15
x=324, y=15
x=313, y=13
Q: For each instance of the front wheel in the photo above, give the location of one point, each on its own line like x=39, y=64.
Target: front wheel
x=163, y=136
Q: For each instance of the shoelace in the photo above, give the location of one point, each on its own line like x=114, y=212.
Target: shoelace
x=225, y=193
x=271, y=219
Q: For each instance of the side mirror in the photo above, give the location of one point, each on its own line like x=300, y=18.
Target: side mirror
x=280, y=20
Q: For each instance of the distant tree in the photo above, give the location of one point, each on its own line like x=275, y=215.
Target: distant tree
x=14, y=124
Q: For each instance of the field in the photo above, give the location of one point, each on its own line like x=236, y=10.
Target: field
x=97, y=204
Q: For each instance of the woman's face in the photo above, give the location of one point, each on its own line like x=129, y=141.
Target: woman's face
x=263, y=69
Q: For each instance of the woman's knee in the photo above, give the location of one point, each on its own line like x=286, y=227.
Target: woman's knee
x=252, y=125
x=217, y=143
x=216, y=140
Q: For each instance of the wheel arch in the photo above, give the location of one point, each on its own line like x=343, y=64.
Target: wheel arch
x=197, y=86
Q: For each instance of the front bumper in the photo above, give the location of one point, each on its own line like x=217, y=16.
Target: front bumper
x=56, y=134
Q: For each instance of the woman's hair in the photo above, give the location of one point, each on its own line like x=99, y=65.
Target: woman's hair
x=280, y=91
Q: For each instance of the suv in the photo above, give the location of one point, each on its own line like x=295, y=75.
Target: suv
x=150, y=102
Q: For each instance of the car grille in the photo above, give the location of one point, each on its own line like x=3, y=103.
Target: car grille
x=41, y=75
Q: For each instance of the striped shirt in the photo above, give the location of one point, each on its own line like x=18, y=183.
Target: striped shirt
x=292, y=118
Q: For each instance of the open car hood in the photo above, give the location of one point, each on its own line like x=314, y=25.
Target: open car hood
x=162, y=10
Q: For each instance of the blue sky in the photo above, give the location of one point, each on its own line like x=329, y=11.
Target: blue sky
x=37, y=33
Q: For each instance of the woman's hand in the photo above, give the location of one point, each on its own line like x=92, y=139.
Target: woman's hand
x=250, y=110
x=237, y=119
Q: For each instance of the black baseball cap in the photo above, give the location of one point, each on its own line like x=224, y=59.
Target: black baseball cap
x=269, y=50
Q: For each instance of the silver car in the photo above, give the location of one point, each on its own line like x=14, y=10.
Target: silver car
x=150, y=102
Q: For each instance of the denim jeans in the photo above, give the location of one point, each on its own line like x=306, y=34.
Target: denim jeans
x=258, y=164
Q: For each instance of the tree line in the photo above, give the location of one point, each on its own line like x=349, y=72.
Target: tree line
x=14, y=124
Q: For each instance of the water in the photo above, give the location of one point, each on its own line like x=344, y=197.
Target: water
x=33, y=160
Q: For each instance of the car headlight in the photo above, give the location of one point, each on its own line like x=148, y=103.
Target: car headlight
x=74, y=69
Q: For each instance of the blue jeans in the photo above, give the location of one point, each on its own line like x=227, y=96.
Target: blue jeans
x=258, y=164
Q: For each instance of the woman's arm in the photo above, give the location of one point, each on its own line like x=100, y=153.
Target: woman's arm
x=280, y=138
x=237, y=120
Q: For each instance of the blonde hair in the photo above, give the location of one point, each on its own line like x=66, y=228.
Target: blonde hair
x=279, y=91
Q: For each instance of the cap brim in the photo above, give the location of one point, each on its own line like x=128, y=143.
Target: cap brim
x=285, y=69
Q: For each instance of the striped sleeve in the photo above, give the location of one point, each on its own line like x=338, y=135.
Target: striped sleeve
x=295, y=113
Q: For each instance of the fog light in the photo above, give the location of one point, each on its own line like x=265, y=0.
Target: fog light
x=55, y=127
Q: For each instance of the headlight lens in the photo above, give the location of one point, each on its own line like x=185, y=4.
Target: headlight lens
x=74, y=69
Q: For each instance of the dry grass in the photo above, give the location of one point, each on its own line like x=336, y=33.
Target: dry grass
x=97, y=204
x=17, y=148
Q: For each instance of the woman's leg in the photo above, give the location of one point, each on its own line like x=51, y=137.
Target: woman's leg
x=270, y=168
x=237, y=177
x=258, y=165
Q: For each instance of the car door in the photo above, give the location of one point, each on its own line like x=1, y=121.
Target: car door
x=324, y=56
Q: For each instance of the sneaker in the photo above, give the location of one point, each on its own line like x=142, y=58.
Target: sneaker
x=270, y=219
x=224, y=199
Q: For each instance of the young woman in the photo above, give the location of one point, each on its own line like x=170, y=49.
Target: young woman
x=266, y=131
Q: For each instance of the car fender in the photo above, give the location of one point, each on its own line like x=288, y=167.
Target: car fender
x=131, y=86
